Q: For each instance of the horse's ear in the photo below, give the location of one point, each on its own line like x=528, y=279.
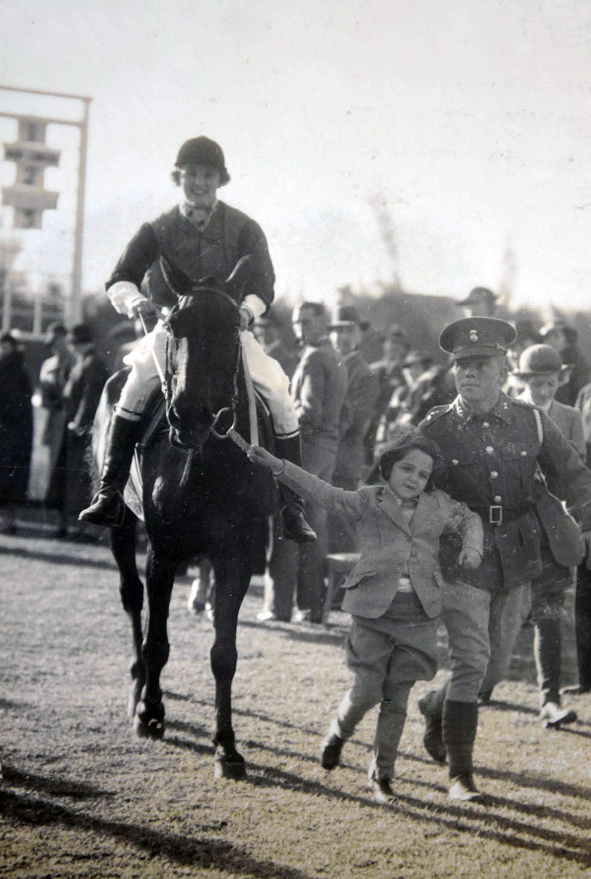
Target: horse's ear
x=239, y=277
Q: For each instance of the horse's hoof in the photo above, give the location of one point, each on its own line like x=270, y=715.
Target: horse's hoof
x=232, y=769
x=153, y=729
x=149, y=723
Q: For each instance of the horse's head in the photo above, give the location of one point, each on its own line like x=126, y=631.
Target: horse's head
x=203, y=358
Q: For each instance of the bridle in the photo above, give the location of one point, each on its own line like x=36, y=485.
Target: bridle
x=169, y=375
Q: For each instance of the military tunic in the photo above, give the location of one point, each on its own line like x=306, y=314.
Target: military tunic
x=489, y=462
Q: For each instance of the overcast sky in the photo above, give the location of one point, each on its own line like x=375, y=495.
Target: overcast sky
x=469, y=120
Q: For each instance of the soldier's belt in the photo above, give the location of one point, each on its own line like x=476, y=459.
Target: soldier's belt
x=496, y=514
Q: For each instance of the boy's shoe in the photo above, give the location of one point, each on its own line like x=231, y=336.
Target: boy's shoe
x=433, y=738
x=381, y=790
x=463, y=788
x=330, y=750
x=553, y=715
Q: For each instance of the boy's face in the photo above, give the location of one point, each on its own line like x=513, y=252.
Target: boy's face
x=410, y=474
x=542, y=388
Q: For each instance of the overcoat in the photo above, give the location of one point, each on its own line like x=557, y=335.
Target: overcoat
x=356, y=415
x=390, y=546
x=16, y=427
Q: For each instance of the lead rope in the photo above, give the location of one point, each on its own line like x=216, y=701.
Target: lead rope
x=252, y=403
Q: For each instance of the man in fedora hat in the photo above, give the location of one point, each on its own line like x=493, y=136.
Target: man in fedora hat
x=540, y=370
x=491, y=446
x=345, y=335
x=201, y=237
x=480, y=302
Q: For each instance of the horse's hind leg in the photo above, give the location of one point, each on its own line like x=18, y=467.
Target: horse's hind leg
x=149, y=716
x=232, y=576
x=123, y=546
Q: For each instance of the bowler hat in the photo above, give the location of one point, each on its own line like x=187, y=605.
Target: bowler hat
x=477, y=337
x=539, y=360
x=80, y=334
x=344, y=316
x=203, y=151
x=478, y=294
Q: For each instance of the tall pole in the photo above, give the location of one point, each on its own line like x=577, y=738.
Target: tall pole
x=76, y=301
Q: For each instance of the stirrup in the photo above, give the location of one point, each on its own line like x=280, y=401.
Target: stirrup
x=107, y=508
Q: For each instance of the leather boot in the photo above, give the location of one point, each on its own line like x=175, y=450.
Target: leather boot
x=293, y=521
x=107, y=506
x=431, y=707
x=460, y=721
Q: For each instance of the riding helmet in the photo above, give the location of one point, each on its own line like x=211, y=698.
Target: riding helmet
x=203, y=151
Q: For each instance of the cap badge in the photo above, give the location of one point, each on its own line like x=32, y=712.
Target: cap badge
x=473, y=335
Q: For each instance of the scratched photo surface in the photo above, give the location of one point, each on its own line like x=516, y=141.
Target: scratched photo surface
x=394, y=157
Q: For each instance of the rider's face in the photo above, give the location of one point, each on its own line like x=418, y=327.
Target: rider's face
x=199, y=184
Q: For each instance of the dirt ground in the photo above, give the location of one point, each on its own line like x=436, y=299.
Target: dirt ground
x=82, y=797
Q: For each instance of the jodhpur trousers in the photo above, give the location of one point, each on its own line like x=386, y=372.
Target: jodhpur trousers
x=387, y=656
x=267, y=377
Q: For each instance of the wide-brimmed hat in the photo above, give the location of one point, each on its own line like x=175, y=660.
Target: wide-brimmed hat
x=80, y=334
x=478, y=294
x=539, y=360
x=477, y=337
x=344, y=316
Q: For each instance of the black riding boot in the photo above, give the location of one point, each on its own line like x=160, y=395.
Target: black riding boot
x=107, y=506
x=460, y=721
x=293, y=521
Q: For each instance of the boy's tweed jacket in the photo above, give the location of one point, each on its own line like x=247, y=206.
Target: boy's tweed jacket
x=390, y=546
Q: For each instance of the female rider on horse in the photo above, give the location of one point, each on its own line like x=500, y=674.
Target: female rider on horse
x=201, y=237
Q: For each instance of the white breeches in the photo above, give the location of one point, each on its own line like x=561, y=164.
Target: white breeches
x=267, y=377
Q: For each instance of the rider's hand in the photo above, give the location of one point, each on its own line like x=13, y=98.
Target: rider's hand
x=470, y=558
x=246, y=317
x=145, y=307
x=266, y=459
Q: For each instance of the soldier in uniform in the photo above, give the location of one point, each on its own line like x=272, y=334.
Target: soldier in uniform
x=490, y=448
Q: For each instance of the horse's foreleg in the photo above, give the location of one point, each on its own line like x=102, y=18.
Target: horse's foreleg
x=232, y=576
x=132, y=597
x=149, y=717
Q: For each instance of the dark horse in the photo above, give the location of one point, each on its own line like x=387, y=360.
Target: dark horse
x=201, y=496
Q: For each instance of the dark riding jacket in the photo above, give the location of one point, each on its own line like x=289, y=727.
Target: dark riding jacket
x=177, y=254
